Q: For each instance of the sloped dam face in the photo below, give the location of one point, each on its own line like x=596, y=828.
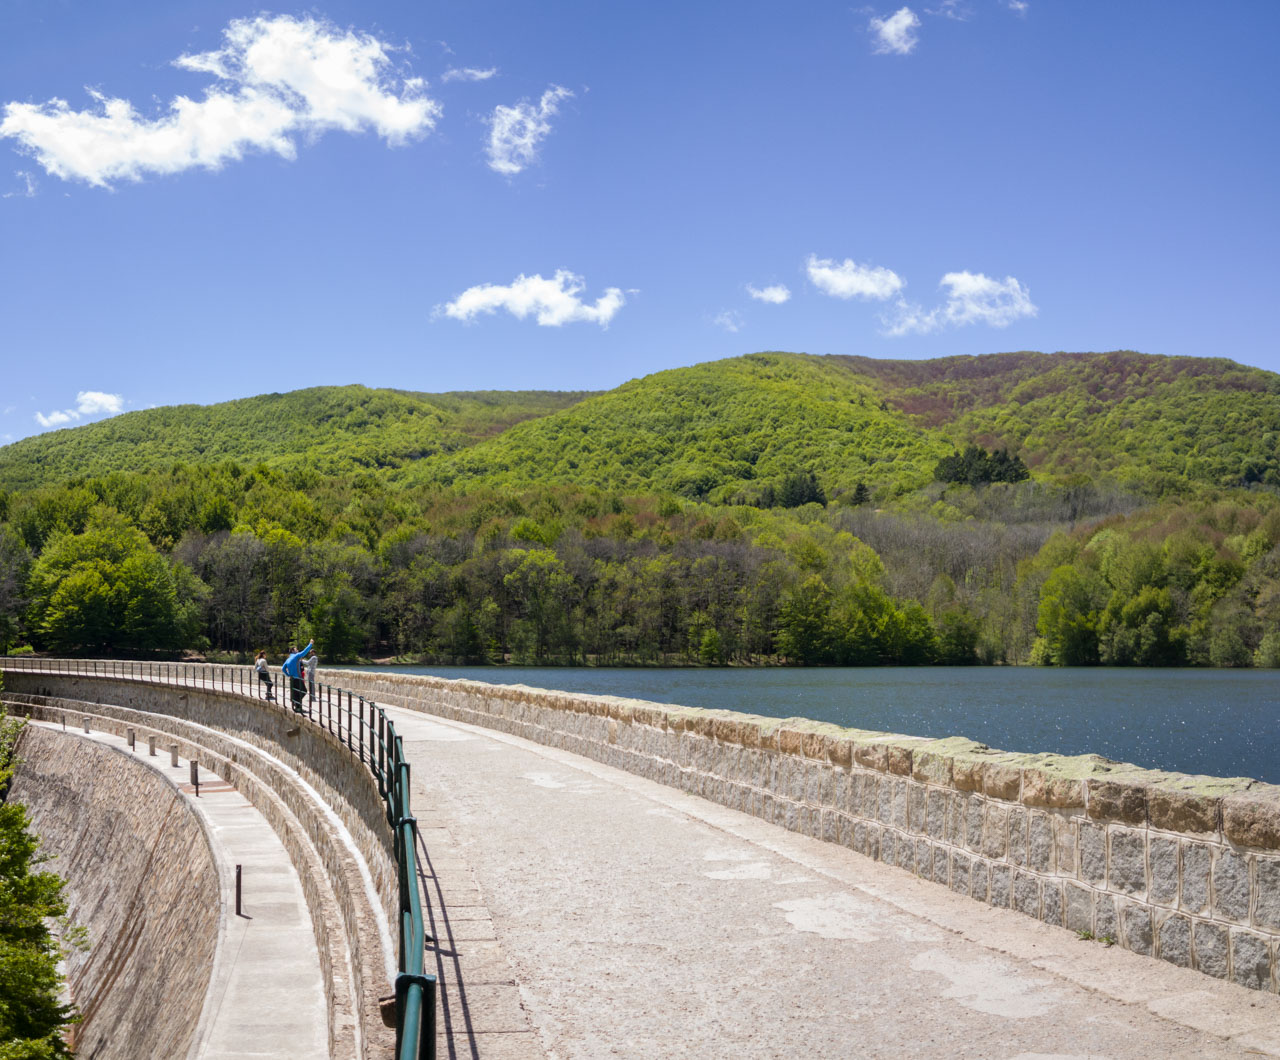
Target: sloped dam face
x=141, y=877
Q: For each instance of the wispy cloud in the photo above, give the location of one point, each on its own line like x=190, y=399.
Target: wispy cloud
x=515, y=132
x=972, y=298
x=896, y=35
x=729, y=320
x=88, y=403
x=28, y=186
x=952, y=9
x=774, y=294
x=277, y=80
x=847, y=279
x=468, y=73
x=552, y=302
x=1018, y=7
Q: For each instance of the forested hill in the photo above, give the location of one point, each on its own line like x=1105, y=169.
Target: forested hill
x=332, y=430
x=731, y=431
x=725, y=430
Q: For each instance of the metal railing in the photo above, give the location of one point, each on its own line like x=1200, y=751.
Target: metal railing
x=371, y=737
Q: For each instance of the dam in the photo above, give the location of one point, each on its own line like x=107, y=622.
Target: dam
x=606, y=877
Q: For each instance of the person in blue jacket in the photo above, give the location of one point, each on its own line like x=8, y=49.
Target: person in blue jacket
x=293, y=670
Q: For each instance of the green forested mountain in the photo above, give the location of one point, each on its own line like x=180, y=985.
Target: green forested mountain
x=333, y=430
x=765, y=509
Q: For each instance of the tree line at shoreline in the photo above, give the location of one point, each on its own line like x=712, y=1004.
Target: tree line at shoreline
x=228, y=559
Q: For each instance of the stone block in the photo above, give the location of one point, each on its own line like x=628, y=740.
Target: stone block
x=981, y=876
x=844, y=830
x=871, y=755
x=1116, y=800
x=995, y=836
x=1183, y=811
x=1040, y=842
x=1266, y=910
x=874, y=832
x=1018, y=836
x=961, y=866
x=1163, y=858
x=1051, y=902
x=1175, y=940
x=860, y=836
x=1250, y=959
x=884, y=808
x=974, y=814
x=840, y=792
x=815, y=777
x=1064, y=845
x=941, y=858
x=930, y=767
x=831, y=778
x=1002, y=781
x=1026, y=893
x=906, y=853
x=888, y=846
x=898, y=806
x=1211, y=948
x=936, y=814
x=1105, y=918
x=917, y=797
x=1135, y=927
x=1194, y=888
x=1252, y=818
x=1079, y=906
x=966, y=773
x=830, y=826
x=924, y=859
x=1041, y=787
x=1001, y=880
x=1231, y=885
x=900, y=760
x=1127, y=866
x=1093, y=853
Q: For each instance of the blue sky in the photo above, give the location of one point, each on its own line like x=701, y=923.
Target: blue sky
x=206, y=200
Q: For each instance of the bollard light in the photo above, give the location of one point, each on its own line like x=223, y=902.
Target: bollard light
x=173, y=755
x=151, y=745
x=132, y=738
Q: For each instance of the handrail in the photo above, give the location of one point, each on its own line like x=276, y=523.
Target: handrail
x=369, y=736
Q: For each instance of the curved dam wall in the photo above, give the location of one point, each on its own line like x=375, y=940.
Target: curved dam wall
x=141, y=877
x=1183, y=868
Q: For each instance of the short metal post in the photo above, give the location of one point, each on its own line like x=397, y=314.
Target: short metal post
x=132, y=736
x=195, y=777
x=238, y=893
x=86, y=723
x=151, y=744
x=173, y=755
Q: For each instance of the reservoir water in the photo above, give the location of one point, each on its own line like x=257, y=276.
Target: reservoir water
x=1220, y=722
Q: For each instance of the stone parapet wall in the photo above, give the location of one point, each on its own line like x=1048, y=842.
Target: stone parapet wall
x=1183, y=868
x=353, y=960
x=141, y=876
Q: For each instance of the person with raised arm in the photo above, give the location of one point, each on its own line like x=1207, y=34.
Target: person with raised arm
x=293, y=670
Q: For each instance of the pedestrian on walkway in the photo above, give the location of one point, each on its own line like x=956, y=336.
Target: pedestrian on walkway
x=264, y=676
x=293, y=668
x=313, y=660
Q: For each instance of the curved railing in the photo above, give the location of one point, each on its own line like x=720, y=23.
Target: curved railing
x=369, y=735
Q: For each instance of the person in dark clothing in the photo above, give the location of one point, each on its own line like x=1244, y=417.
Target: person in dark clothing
x=264, y=676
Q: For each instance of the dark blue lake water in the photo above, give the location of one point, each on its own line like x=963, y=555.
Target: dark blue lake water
x=1220, y=722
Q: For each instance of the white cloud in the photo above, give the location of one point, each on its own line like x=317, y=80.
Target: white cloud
x=972, y=298
x=88, y=403
x=952, y=9
x=1018, y=7
x=57, y=418
x=850, y=280
x=553, y=302
x=468, y=73
x=515, y=132
x=91, y=402
x=775, y=294
x=277, y=79
x=896, y=35
x=729, y=320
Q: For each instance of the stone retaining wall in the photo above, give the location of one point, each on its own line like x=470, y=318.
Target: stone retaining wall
x=140, y=875
x=1183, y=868
x=356, y=968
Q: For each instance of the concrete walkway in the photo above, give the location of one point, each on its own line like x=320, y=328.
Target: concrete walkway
x=266, y=998
x=583, y=912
